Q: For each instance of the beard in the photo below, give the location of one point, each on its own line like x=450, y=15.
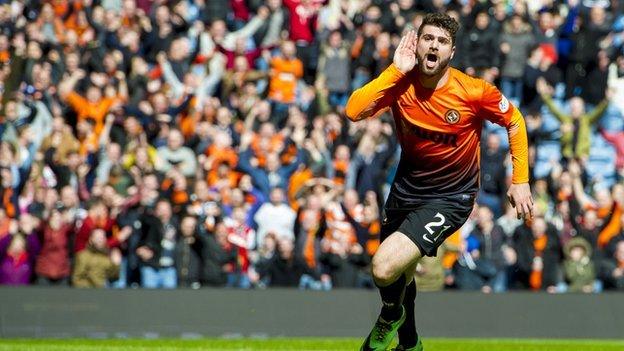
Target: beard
x=440, y=64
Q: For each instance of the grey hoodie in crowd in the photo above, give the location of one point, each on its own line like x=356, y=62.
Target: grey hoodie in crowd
x=521, y=44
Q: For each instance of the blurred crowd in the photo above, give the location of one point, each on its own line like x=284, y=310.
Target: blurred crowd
x=192, y=143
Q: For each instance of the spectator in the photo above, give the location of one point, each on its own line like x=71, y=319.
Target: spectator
x=270, y=30
x=310, y=229
x=220, y=257
x=344, y=260
x=53, y=265
x=285, y=269
x=494, y=247
x=334, y=70
x=578, y=266
x=95, y=265
x=303, y=16
x=238, y=77
x=274, y=173
x=517, y=35
x=594, y=93
x=364, y=218
x=286, y=69
x=97, y=218
x=472, y=272
x=219, y=31
x=275, y=217
x=157, y=248
x=189, y=254
x=94, y=106
x=480, y=52
x=362, y=53
x=612, y=268
x=17, y=257
x=373, y=152
x=243, y=239
x=430, y=272
x=493, y=176
x=575, y=127
x=586, y=39
x=539, y=254
x=175, y=155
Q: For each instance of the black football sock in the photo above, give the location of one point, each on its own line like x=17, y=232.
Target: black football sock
x=408, y=337
x=391, y=297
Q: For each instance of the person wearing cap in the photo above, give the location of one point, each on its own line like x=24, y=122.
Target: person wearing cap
x=578, y=266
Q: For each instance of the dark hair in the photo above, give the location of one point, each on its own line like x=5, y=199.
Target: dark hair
x=440, y=20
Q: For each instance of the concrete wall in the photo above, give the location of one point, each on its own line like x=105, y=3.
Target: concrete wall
x=64, y=312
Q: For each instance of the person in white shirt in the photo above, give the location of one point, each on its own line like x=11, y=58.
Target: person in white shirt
x=276, y=217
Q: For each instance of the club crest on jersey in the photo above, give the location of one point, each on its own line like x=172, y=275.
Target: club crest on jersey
x=503, y=105
x=452, y=116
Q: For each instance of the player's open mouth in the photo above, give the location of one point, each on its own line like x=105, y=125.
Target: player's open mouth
x=431, y=60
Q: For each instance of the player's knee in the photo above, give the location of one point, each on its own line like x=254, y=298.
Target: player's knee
x=383, y=273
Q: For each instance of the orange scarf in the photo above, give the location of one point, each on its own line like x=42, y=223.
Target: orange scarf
x=372, y=244
x=5, y=56
x=341, y=168
x=612, y=228
x=309, y=251
x=8, y=205
x=535, y=280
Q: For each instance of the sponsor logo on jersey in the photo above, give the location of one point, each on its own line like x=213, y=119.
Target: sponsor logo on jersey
x=452, y=116
x=436, y=137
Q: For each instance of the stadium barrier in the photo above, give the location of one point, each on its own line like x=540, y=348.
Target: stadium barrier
x=35, y=312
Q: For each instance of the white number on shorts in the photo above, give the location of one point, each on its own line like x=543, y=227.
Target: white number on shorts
x=431, y=224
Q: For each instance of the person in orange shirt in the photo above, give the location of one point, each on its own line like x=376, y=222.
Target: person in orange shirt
x=286, y=70
x=94, y=106
x=221, y=150
x=439, y=113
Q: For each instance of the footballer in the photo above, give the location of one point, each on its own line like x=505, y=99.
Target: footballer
x=439, y=113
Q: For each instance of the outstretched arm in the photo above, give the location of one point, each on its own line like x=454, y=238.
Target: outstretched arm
x=545, y=91
x=170, y=77
x=67, y=86
x=582, y=198
x=216, y=68
x=377, y=95
x=597, y=112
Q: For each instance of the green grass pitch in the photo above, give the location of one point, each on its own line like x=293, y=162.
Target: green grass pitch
x=301, y=344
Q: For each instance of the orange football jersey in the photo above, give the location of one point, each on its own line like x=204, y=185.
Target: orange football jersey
x=440, y=130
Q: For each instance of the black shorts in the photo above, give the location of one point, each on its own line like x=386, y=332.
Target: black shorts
x=428, y=223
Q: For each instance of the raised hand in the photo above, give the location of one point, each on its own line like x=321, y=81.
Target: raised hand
x=542, y=87
x=405, y=54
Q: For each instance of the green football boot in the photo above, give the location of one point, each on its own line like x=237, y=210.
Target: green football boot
x=382, y=334
x=418, y=347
